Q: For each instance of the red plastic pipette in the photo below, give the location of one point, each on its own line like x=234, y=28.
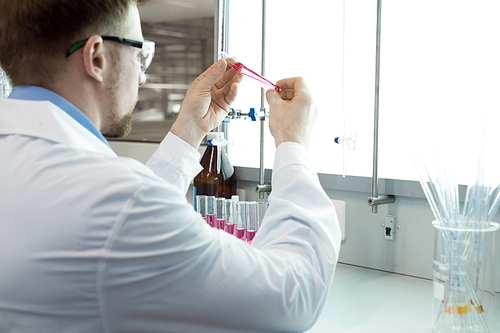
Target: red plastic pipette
x=262, y=81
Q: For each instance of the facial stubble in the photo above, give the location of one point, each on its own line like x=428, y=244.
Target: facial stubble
x=120, y=126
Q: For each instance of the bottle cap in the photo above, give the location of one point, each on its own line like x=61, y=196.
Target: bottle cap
x=213, y=135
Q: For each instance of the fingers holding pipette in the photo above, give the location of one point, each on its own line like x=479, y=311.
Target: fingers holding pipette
x=206, y=103
x=229, y=77
x=291, y=112
x=231, y=94
x=288, y=87
x=225, y=90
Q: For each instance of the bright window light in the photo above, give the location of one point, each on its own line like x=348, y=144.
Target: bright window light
x=439, y=75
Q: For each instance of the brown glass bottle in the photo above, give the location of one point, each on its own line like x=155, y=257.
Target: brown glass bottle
x=208, y=181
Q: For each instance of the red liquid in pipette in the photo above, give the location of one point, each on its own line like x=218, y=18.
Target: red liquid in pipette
x=240, y=68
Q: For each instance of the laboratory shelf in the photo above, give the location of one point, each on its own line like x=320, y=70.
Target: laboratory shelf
x=364, y=300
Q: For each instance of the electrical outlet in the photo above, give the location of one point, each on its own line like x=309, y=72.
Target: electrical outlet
x=390, y=227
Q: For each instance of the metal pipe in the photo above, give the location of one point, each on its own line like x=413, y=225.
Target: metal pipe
x=376, y=107
x=221, y=27
x=262, y=187
x=218, y=26
x=375, y=199
x=263, y=52
x=380, y=200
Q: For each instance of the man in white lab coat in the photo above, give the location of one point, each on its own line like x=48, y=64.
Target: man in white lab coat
x=92, y=242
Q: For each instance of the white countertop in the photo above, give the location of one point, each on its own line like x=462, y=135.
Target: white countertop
x=370, y=301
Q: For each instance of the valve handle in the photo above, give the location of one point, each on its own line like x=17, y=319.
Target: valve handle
x=252, y=114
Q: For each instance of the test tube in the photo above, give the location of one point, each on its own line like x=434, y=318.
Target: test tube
x=261, y=211
x=220, y=212
x=210, y=213
x=201, y=205
x=239, y=215
x=251, y=220
x=230, y=207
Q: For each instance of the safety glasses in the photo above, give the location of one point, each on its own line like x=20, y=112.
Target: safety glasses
x=144, y=57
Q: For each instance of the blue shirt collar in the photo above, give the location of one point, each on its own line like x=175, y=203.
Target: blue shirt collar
x=32, y=93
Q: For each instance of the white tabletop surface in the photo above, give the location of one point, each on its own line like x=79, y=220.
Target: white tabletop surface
x=370, y=301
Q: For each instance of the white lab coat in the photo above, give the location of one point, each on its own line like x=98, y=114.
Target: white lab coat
x=92, y=242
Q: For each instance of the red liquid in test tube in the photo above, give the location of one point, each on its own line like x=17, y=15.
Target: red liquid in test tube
x=251, y=220
x=220, y=224
x=262, y=81
x=210, y=211
x=229, y=228
x=240, y=221
x=250, y=236
x=211, y=220
x=240, y=233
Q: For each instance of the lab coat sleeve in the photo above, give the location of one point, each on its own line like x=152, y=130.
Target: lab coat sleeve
x=301, y=232
x=175, y=161
x=165, y=269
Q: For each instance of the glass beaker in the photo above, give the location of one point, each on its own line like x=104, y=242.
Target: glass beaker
x=464, y=278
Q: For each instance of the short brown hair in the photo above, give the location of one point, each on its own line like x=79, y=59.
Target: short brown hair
x=35, y=34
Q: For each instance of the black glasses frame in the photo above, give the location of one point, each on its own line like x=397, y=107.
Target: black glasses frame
x=125, y=41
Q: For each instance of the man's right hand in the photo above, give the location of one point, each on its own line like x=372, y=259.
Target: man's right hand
x=207, y=102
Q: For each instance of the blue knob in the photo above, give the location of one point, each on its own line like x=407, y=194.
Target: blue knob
x=252, y=114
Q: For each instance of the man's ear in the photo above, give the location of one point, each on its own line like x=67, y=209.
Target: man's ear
x=94, y=58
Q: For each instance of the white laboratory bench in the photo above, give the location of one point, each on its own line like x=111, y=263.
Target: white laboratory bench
x=364, y=300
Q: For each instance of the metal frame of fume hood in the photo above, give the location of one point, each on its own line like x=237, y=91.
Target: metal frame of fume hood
x=377, y=199
x=221, y=39
x=359, y=184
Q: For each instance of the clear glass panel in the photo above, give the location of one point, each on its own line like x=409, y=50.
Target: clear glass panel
x=439, y=76
x=439, y=80
x=301, y=40
x=184, y=35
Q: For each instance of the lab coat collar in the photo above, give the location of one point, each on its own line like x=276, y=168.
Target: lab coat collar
x=45, y=120
x=33, y=93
